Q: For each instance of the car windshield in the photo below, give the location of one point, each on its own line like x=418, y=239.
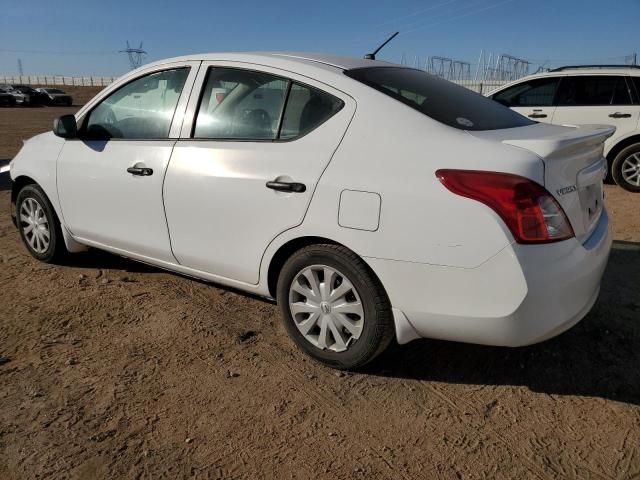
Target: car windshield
x=439, y=99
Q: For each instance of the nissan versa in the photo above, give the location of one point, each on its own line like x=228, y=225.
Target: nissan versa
x=372, y=201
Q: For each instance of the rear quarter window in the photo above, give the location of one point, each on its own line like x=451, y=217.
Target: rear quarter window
x=439, y=99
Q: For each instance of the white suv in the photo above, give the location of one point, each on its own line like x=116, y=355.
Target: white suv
x=587, y=95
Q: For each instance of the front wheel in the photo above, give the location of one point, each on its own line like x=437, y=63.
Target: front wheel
x=626, y=168
x=334, y=307
x=39, y=226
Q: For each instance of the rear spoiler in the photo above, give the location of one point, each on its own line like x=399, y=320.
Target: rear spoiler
x=565, y=142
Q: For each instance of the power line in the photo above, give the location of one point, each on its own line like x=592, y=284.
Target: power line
x=475, y=12
x=418, y=12
x=463, y=8
x=57, y=52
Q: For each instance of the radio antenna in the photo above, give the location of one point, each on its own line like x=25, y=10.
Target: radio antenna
x=372, y=56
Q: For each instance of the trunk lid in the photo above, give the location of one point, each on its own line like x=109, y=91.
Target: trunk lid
x=574, y=166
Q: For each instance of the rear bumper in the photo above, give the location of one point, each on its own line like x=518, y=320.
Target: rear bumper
x=525, y=294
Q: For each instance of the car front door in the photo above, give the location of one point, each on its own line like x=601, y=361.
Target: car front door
x=247, y=163
x=532, y=98
x=598, y=99
x=110, y=177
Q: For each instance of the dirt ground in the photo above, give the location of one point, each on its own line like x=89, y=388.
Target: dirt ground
x=112, y=369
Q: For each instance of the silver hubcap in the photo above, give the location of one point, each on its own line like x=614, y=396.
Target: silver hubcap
x=35, y=226
x=631, y=170
x=326, y=308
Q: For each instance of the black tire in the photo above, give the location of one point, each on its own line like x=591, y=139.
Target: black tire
x=378, y=326
x=56, y=248
x=617, y=166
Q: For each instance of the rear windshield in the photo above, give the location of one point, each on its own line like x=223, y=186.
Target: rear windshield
x=439, y=99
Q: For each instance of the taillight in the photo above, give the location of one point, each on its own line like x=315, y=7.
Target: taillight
x=528, y=209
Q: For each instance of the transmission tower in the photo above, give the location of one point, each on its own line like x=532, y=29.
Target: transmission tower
x=503, y=68
x=135, y=55
x=20, y=70
x=631, y=59
x=448, y=68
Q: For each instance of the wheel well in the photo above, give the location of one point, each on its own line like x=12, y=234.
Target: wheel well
x=284, y=252
x=18, y=184
x=613, y=153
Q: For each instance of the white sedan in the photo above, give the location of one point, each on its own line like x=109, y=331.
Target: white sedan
x=374, y=202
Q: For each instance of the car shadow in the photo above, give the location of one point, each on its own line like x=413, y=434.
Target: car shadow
x=598, y=357
x=100, y=259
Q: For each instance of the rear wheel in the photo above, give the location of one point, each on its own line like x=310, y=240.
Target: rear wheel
x=626, y=168
x=334, y=308
x=38, y=224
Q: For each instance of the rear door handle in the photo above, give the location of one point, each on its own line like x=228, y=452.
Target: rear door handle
x=141, y=171
x=538, y=115
x=620, y=115
x=287, y=186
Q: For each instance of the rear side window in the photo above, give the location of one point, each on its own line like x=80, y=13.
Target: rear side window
x=251, y=105
x=636, y=81
x=307, y=108
x=439, y=99
x=585, y=90
x=533, y=93
x=240, y=104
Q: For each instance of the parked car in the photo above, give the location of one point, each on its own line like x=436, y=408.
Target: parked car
x=587, y=95
x=6, y=99
x=35, y=97
x=372, y=201
x=19, y=97
x=55, y=96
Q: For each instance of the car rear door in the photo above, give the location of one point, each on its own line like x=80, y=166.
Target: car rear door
x=110, y=178
x=600, y=100
x=253, y=146
x=533, y=98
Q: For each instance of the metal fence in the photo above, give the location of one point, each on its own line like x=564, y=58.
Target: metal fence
x=480, y=87
x=475, y=85
x=52, y=80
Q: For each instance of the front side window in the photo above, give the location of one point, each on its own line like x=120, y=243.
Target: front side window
x=586, y=90
x=142, y=109
x=533, y=93
x=439, y=99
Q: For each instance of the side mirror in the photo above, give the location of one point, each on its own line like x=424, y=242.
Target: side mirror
x=65, y=126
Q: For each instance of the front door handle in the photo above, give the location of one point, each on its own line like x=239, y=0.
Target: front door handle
x=287, y=186
x=140, y=171
x=620, y=115
x=538, y=115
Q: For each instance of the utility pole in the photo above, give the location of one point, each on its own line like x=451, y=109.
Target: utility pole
x=20, y=70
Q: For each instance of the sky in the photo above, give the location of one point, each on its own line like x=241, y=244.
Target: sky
x=83, y=37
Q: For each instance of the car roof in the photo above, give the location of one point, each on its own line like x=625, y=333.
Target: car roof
x=320, y=60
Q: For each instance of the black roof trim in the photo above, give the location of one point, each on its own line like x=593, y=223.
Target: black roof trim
x=570, y=67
